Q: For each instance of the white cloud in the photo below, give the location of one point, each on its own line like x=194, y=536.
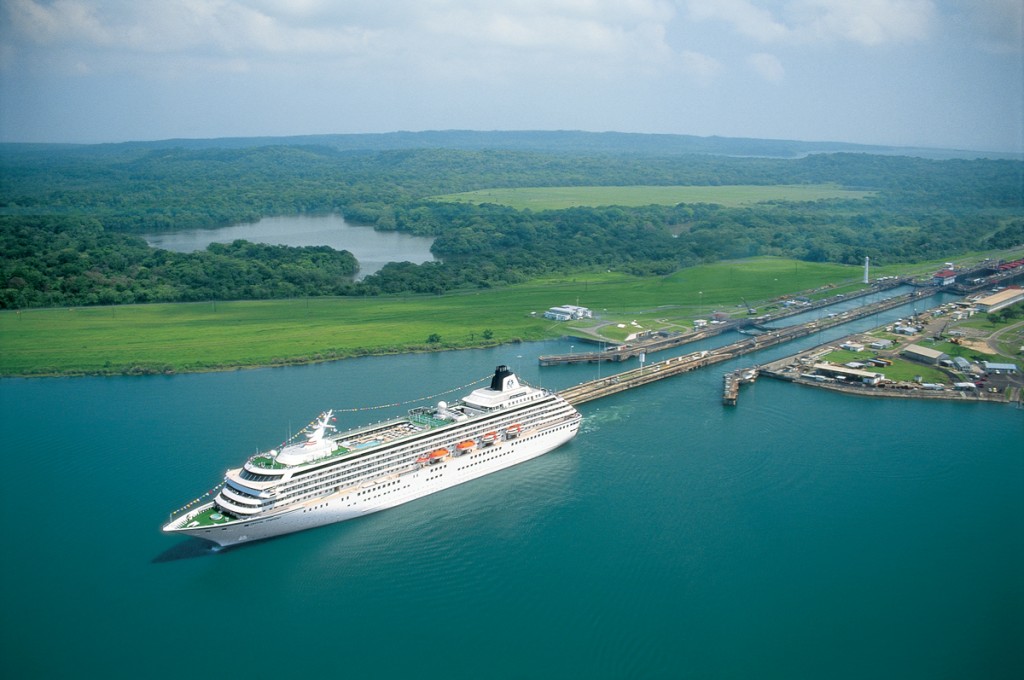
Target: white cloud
x=400, y=33
x=224, y=26
x=62, y=21
x=767, y=66
x=700, y=66
x=745, y=17
x=868, y=22
x=628, y=31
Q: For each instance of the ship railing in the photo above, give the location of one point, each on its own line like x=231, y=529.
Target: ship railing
x=190, y=506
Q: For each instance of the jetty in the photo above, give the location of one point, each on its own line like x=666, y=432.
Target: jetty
x=731, y=383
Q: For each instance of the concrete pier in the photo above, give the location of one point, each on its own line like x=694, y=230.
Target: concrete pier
x=663, y=341
x=620, y=382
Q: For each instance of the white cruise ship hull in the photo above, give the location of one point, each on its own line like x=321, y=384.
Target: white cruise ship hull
x=381, y=493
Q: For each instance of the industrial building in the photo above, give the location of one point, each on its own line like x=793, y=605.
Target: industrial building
x=568, y=313
x=924, y=354
x=1003, y=298
x=993, y=367
x=851, y=374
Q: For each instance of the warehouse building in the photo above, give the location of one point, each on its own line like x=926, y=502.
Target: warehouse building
x=924, y=354
x=1003, y=298
x=849, y=374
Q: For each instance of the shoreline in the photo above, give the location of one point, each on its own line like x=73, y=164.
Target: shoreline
x=860, y=390
x=140, y=370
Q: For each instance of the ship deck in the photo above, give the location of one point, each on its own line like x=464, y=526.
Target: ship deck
x=210, y=517
x=365, y=438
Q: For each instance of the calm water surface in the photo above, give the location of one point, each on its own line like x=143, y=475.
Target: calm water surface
x=372, y=248
x=802, y=534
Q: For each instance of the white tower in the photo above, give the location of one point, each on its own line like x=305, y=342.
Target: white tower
x=867, y=264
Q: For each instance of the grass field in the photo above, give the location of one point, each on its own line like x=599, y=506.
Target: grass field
x=220, y=335
x=556, y=198
x=901, y=370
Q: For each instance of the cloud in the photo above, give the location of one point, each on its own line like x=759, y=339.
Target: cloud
x=767, y=66
x=406, y=36
x=745, y=17
x=175, y=26
x=59, y=22
x=700, y=66
x=868, y=22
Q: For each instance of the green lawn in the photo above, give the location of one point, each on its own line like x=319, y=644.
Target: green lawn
x=901, y=370
x=556, y=198
x=209, y=336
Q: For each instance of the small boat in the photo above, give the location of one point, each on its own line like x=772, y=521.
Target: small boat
x=490, y=438
x=438, y=455
x=513, y=431
x=465, y=446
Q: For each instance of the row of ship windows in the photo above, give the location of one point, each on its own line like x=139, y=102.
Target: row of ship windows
x=376, y=488
x=437, y=471
x=371, y=466
x=382, y=493
x=379, y=465
x=490, y=458
x=386, y=462
x=257, y=477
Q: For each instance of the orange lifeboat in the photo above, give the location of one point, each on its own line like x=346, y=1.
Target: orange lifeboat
x=490, y=438
x=465, y=446
x=513, y=431
x=424, y=459
x=438, y=455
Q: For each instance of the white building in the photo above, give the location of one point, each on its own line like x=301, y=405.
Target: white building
x=568, y=313
x=1003, y=298
x=924, y=354
x=992, y=366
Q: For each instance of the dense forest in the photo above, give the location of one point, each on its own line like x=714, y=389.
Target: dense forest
x=69, y=215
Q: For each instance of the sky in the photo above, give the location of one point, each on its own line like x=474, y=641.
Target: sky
x=931, y=73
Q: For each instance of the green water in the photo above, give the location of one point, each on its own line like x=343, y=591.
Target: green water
x=802, y=534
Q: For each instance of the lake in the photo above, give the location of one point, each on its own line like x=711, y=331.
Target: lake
x=372, y=248
x=801, y=534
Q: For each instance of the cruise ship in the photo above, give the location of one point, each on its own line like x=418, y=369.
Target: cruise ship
x=329, y=476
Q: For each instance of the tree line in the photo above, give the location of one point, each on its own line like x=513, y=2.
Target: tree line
x=68, y=215
x=67, y=261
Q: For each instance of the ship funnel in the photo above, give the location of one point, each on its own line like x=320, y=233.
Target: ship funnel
x=504, y=379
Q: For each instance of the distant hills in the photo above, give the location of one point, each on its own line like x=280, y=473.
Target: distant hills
x=570, y=141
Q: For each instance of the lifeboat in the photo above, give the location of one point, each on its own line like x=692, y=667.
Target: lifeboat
x=513, y=431
x=490, y=438
x=465, y=447
x=438, y=455
x=424, y=459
